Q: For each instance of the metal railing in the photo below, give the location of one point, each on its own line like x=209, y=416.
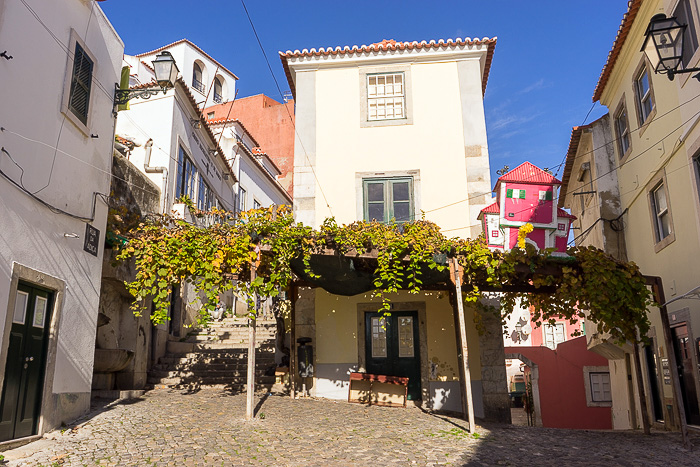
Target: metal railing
x=198, y=85
x=217, y=98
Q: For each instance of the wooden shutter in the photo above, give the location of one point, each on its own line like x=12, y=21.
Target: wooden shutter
x=81, y=80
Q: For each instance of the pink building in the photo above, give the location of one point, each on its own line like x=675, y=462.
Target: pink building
x=526, y=194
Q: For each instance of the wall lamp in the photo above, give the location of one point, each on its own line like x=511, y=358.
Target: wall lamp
x=166, y=74
x=663, y=45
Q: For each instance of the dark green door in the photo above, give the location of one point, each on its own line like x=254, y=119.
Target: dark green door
x=26, y=359
x=392, y=347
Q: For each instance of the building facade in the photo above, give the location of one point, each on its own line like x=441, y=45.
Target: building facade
x=362, y=153
x=649, y=147
x=55, y=166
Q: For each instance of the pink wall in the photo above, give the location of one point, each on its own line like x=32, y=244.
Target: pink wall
x=561, y=385
x=528, y=209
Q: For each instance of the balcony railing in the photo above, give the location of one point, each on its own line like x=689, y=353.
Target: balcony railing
x=217, y=98
x=198, y=85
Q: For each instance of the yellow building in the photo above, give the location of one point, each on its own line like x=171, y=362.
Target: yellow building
x=632, y=181
x=394, y=130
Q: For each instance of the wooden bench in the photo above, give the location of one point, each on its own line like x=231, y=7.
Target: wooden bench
x=366, y=388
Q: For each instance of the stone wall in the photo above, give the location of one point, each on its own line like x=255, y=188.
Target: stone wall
x=493, y=367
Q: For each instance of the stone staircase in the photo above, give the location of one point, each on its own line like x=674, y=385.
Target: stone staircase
x=218, y=357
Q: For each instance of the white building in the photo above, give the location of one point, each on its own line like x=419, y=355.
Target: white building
x=391, y=130
x=62, y=62
x=256, y=172
x=211, y=82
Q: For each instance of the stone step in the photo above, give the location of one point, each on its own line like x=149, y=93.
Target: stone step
x=189, y=373
x=233, y=338
x=177, y=347
x=212, y=362
x=224, y=381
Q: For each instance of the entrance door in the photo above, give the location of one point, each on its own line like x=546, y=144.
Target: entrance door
x=26, y=359
x=392, y=347
x=683, y=349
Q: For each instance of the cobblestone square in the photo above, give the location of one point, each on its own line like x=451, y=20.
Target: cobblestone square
x=166, y=427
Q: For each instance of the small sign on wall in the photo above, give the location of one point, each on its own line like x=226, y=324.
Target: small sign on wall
x=666, y=370
x=92, y=240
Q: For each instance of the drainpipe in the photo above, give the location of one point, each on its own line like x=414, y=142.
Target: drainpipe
x=162, y=170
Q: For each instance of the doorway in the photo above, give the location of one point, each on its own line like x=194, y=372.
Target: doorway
x=392, y=347
x=683, y=348
x=20, y=406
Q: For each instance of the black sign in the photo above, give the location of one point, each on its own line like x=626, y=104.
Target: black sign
x=92, y=240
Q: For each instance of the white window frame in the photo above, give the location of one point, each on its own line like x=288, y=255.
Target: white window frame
x=659, y=213
x=386, y=96
x=181, y=177
x=241, y=199
x=589, y=374
x=555, y=339
x=644, y=98
x=622, y=134
x=365, y=75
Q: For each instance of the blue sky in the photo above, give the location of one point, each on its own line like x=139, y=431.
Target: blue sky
x=546, y=64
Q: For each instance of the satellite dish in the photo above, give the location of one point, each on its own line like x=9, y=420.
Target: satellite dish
x=527, y=330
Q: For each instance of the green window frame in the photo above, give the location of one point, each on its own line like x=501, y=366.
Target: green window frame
x=520, y=194
x=80, y=83
x=388, y=198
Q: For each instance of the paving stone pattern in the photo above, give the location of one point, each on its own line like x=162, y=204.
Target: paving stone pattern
x=167, y=427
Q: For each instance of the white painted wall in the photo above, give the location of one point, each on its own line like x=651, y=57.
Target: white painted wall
x=167, y=120
x=444, y=147
x=62, y=163
x=185, y=56
x=255, y=177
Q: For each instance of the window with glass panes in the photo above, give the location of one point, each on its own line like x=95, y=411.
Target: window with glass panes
x=684, y=15
x=388, y=198
x=659, y=206
x=622, y=133
x=645, y=99
x=206, y=199
x=386, y=96
x=186, y=175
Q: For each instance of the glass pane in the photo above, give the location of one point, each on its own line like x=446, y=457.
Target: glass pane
x=401, y=192
x=664, y=225
x=378, y=337
x=643, y=82
x=375, y=211
x=402, y=211
x=405, y=336
x=375, y=191
x=660, y=199
x=20, y=307
x=39, y=312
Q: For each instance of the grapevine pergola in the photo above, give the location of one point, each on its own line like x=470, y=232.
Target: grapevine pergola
x=266, y=252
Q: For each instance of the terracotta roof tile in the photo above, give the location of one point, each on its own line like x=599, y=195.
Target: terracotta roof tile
x=391, y=45
x=562, y=213
x=224, y=120
x=193, y=45
x=492, y=209
x=622, y=33
x=529, y=173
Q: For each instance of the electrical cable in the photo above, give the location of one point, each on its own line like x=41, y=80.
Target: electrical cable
x=311, y=166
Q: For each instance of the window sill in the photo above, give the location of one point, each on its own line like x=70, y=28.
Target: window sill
x=387, y=122
x=661, y=244
x=624, y=157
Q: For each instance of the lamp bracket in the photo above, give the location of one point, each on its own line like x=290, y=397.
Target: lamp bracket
x=122, y=96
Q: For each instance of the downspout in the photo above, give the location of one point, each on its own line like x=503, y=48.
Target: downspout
x=162, y=170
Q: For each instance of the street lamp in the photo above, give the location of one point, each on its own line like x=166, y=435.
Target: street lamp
x=166, y=73
x=663, y=45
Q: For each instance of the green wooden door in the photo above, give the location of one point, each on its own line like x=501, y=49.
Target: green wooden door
x=392, y=347
x=20, y=405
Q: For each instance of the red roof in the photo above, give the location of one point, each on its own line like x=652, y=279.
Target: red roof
x=493, y=209
x=392, y=45
x=529, y=173
x=562, y=213
x=622, y=33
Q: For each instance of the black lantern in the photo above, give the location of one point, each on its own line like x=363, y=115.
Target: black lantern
x=663, y=45
x=166, y=74
x=165, y=69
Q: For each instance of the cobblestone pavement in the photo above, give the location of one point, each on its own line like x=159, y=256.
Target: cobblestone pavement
x=171, y=428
